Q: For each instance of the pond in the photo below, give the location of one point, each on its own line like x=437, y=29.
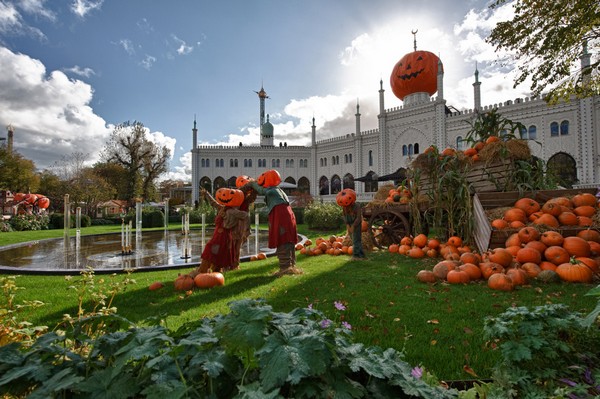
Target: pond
x=152, y=250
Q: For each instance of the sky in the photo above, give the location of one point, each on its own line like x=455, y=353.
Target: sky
x=72, y=70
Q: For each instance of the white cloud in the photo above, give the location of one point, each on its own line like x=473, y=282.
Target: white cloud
x=51, y=113
x=183, y=172
x=77, y=70
x=147, y=62
x=36, y=7
x=84, y=7
x=12, y=24
x=183, y=48
x=127, y=45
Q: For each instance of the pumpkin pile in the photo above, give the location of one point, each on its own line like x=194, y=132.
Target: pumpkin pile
x=528, y=253
x=185, y=282
x=580, y=210
x=400, y=194
x=334, y=245
x=422, y=246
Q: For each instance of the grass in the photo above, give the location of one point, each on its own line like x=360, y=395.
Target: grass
x=438, y=326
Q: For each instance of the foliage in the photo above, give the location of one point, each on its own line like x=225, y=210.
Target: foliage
x=203, y=208
x=323, y=216
x=592, y=318
x=13, y=327
x=57, y=221
x=152, y=217
x=5, y=227
x=449, y=193
x=545, y=38
x=250, y=352
x=544, y=349
x=491, y=123
x=144, y=161
x=17, y=174
x=530, y=175
x=29, y=222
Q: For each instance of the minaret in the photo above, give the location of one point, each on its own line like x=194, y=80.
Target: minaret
x=477, y=90
x=440, y=80
x=194, y=135
x=586, y=72
x=262, y=95
x=313, y=136
x=9, y=144
x=381, y=102
x=357, y=115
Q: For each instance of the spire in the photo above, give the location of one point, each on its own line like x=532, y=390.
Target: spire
x=414, y=32
x=476, y=73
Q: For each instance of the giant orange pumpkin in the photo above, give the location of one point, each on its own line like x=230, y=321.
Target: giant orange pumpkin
x=270, y=178
x=209, y=280
x=43, y=202
x=346, y=197
x=229, y=197
x=416, y=72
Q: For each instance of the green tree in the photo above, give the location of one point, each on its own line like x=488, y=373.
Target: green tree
x=143, y=160
x=548, y=40
x=17, y=174
x=116, y=175
x=52, y=187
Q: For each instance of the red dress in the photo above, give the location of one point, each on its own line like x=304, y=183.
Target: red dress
x=219, y=250
x=282, y=226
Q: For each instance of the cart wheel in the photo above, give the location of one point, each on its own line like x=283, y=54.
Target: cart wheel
x=388, y=228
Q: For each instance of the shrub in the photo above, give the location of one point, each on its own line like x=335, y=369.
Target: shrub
x=299, y=213
x=5, y=227
x=323, y=216
x=153, y=218
x=250, y=352
x=29, y=222
x=105, y=222
x=196, y=213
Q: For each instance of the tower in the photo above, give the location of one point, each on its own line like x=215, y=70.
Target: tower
x=262, y=96
x=9, y=144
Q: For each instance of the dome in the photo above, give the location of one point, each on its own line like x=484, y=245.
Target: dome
x=416, y=72
x=266, y=129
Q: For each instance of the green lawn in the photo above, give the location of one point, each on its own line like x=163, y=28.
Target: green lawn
x=438, y=326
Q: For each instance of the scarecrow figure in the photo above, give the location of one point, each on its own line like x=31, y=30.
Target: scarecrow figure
x=241, y=231
x=282, y=222
x=219, y=254
x=353, y=218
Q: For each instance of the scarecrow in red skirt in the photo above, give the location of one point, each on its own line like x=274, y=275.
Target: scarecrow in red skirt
x=218, y=254
x=353, y=218
x=282, y=221
x=241, y=231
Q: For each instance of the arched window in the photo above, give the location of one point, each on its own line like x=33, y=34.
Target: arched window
x=410, y=149
x=564, y=128
x=235, y=163
x=333, y=160
x=291, y=163
x=323, y=186
x=217, y=163
x=325, y=161
x=231, y=163
x=202, y=163
x=349, y=158
x=278, y=163
x=348, y=181
x=404, y=150
x=564, y=167
x=416, y=148
x=532, y=133
x=336, y=184
x=321, y=162
x=245, y=163
x=250, y=163
x=287, y=163
x=554, y=129
x=207, y=163
x=370, y=158
x=345, y=158
x=273, y=162
x=459, y=143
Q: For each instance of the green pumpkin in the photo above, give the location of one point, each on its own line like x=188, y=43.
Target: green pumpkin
x=548, y=276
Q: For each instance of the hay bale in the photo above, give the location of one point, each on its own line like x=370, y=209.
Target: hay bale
x=383, y=192
x=512, y=149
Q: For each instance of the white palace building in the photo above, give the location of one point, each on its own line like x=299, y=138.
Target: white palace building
x=565, y=136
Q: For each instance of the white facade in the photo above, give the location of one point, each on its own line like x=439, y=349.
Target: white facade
x=325, y=167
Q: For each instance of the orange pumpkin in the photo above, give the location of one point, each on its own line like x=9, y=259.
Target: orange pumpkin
x=518, y=276
x=469, y=152
x=415, y=72
x=589, y=262
x=500, y=282
x=270, y=178
x=583, y=199
x=346, y=197
x=393, y=248
x=441, y=269
x=184, y=282
x=540, y=246
x=527, y=234
x=513, y=240
x=416, y=252
x=472, y=270
x=229, y=197
x=420, y=240
x=551, y=238
x=499, y=224
x=574, y=272
x=585, y=210
x=489, y=268
x=545, y=265
x=584, y=221
x=532, y=269
x=529, y=205
x=515, y=214
x=556, y=255
x=563, y=201
x=501, y=256
x=433, y=243
x=43, y=202
x=457, y=276
x=470, y=257
x=568, y=219
x=551, y=208
x=242, y=180
x=455, y=241
x=426, y=276
x=577, y=246
x=155, y=286
x=209, y=280
x=546, y=219
x=589, y=235
x=529, y=255
x=364, y=226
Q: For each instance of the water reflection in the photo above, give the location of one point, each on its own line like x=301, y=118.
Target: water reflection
x=152, y=249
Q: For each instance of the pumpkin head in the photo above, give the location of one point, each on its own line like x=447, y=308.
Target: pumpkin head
x=270, y=178
x=415, y=72
x=242, y=180
x=229, y=197
x=43, y=202
x=346, y=197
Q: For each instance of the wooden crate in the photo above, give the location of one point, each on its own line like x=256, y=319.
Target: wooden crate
x=482, y=176
x=488, y=238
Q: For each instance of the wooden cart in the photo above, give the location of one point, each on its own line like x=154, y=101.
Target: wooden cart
x=390, y=222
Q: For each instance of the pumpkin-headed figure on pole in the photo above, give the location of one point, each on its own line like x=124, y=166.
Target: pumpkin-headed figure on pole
x=282, y=222
x=352, y=212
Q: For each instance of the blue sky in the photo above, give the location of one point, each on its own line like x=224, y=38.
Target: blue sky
x=73, y=69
